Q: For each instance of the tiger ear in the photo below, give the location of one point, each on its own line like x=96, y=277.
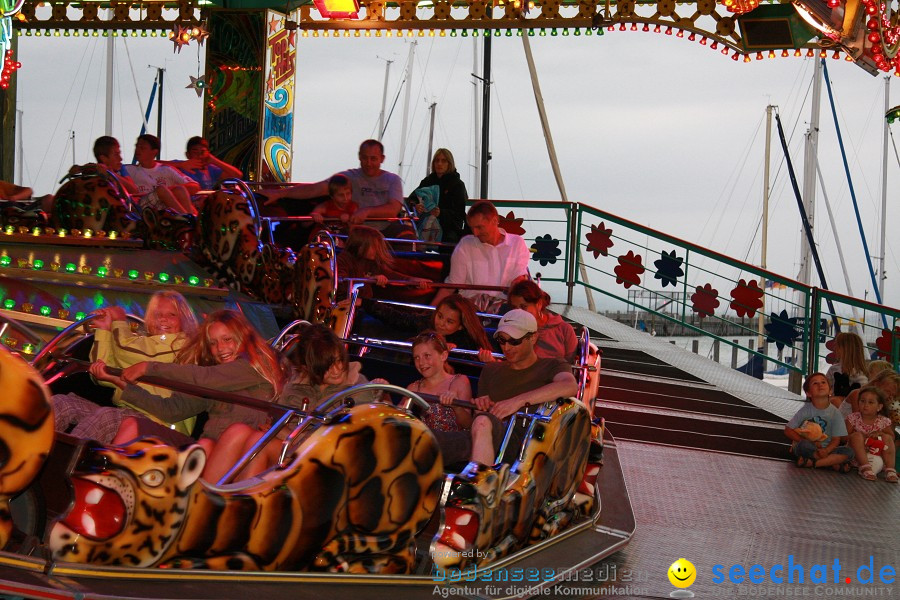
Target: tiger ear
x=190, y=465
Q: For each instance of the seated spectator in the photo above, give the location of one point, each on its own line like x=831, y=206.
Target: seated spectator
x=203, y=167
x=368, y=255
x=430, y=353
x=11, y=191
x=170, y=322
x=872, y=422
x=378, y=193
x=226, y=354
x=888, y=381
x=340, y=204
x=489, y=256
x=450, y=205
x=454, y=318
x=827, y=419
x=321, y=369
x=159, y=185
x=504, y=388
x=556, y=338
x=849, y=372
x=108, y=153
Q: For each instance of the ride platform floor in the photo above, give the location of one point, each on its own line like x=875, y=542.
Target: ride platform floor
x=721, y=509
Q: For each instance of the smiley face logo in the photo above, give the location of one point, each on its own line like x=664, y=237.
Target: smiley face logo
x=682, y=573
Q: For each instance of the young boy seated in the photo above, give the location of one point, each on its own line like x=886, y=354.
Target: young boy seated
x=340, y=204
x=822, y=422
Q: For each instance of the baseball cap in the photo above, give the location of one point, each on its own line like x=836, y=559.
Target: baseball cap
x=517, y=323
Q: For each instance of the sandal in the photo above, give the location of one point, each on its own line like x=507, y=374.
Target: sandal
x=844, y=467
x=890, y=475
x=865, y=471
x=805, y=463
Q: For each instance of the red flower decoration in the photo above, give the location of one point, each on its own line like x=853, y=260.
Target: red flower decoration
x=511, y=224
x=628, y=273
x=747, y=298
x=705, y=300
x=885, y=343
x=599, y=240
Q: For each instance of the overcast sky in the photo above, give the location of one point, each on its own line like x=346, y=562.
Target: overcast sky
x=653, y=128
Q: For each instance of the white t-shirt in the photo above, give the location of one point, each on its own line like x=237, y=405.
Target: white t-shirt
x=147, y=180
x=474, y=262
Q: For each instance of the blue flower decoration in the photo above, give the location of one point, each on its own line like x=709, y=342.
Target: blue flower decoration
x=668, y=268
x=545, y=249
x=782, y=329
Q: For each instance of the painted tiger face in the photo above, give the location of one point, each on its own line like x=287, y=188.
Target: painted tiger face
x=130, y=502
x=92, y=202
x=26, y=431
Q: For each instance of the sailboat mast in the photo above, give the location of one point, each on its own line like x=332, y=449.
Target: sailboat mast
x=765, y=224
x=485, y=116
x=431, y=109
x=409, y=72
x=809, y=172
x=110, y=69
x=475, y=146
x=884, y=182
x=387, y=74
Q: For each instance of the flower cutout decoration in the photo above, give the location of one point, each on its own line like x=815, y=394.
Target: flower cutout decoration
x=747, y=298
x=830, y=358
x=782, y=329
x=628, y=273
x=705, y=300
x=599, y=240
x=668, y=268
x=545, y=249
x=885, y=342
x=511, y=224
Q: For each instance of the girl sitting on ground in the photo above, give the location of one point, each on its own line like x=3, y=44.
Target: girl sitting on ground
x=367, y=255
x=430, y=353
x=887, y=381
x=849, y=372
x=169, y=322
x=226, y=354
x=556, y=338
x=872, y=421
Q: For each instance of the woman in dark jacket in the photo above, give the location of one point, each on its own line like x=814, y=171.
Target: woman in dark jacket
x=451, y=210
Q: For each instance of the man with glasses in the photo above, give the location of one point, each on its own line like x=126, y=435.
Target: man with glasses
x=507, y=387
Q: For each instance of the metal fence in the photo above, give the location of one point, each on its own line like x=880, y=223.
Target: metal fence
x=693, y=289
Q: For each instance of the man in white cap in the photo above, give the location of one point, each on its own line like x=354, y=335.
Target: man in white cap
x=506, y=387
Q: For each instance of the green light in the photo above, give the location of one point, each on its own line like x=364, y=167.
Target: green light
x=38, y=264
x=102, y=271
x=79, y=316
x=497, y=32
x=553, y=32
x=509, y=33
x=5, y=261
x=45, y=310
x=577, y=31
x=543, y=32
x=465, y=33
x=9, y=304
x=194, y=280
x=566, y=31
x=133, y=274
x=452, y=33
x=164, y=277
x=70, y=267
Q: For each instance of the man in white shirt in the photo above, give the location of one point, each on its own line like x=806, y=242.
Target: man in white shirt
x=489, y=256
x=160, y=186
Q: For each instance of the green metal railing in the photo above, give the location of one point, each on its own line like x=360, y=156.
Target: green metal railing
x=695, y=289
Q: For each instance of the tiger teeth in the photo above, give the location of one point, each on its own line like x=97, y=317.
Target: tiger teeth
x=463, y=519
x=93, y=497
x=457, y=541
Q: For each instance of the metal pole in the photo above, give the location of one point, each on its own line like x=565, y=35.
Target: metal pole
x=475, y=147
x=809, y=173
x=884, y=182
x=486, y=116
x=159, y=109
x=110, y=70
x=430, y=140
x=387, y=73
x=20, y=147
x=409, y=71
x=760, y=328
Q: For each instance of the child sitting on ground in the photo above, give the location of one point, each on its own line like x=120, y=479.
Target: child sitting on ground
x=824, y=452
x=430, y=353
x=872, y=421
